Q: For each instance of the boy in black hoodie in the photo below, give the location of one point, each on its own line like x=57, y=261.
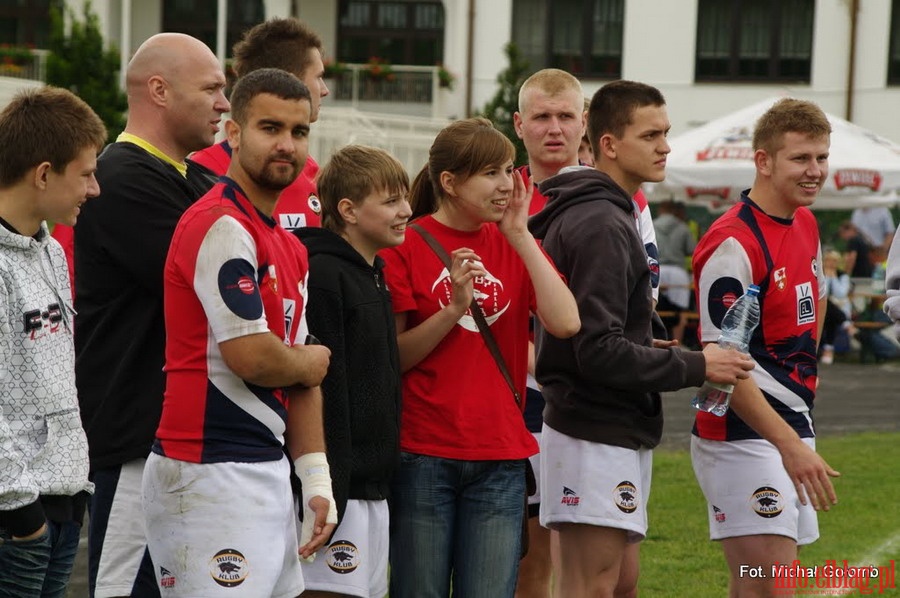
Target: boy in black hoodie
x=363, y=191
x=603, y=415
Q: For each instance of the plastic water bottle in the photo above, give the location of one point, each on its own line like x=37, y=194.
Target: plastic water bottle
x=878, y=275
x=738, y=325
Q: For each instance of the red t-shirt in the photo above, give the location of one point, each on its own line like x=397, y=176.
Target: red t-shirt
x=298, y=205
x=456, y=404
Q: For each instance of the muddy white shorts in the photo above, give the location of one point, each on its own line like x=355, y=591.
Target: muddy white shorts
x=749, y=492
x=595, y=484
x=534, y=501
x=222, y=529
x=355, y=563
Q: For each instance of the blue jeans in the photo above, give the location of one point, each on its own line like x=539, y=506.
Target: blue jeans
x=38, y=568
x=459, y=519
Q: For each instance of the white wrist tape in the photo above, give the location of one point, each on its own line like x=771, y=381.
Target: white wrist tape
x=315, y=476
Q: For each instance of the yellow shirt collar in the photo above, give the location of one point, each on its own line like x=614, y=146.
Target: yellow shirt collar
x=148, y=147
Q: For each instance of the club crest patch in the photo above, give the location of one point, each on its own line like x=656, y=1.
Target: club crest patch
x=229, y=568
x=342, y=557
x=626, y=497
x=767, y=502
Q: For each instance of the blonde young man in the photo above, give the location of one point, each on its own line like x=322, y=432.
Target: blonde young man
x=757, y=465
x=552, y=121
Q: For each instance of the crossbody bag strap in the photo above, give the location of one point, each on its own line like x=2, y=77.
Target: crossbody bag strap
x=477, y=315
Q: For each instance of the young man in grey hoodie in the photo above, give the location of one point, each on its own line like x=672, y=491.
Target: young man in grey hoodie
x=49, y=141
x=603, y=415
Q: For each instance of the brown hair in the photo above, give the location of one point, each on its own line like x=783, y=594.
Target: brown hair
x=47, y=124
x=462, y=148
x=789, y=116
x=277, y=82
x=277, y=43
x=355, y=172
x=614, y=104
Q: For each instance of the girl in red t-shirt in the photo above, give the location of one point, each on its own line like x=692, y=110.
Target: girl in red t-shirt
x=458, y=496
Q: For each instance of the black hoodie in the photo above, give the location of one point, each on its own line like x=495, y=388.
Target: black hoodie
x=603, y=384
x=349, y=311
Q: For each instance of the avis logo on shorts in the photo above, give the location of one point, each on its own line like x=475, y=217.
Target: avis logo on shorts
x=767, y=502
x=570, y=497
x=342, y=557
x=229, y=568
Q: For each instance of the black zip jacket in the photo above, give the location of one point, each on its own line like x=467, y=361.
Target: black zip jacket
x=349, y=310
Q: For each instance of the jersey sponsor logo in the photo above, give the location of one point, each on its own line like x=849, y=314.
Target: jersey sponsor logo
x=570, y=497
x=767, y=502
x=314, y=204
x=292, y=221
x=166, y=579
x=342, y=557
x=718, y=514
x=38, y=322
x=238, y=289
x=273, y=278
x=488, y=292
x=625, y=496
x=229, y=568
x=246, y=285
x=779, y=276
x=806, y=307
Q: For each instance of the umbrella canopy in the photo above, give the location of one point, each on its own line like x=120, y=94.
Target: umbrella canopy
x=713, y=163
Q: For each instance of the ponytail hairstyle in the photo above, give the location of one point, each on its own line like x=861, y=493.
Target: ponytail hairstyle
x=463, y=148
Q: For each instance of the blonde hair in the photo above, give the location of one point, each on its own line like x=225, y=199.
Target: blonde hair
x=551, y=81
x=789, y=116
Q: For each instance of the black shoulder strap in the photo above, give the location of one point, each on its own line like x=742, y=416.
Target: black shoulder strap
x=477, y=314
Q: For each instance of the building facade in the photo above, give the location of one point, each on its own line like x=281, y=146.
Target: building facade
x=709, y=57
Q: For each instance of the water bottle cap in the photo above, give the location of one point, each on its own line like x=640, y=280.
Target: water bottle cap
x=753, y=290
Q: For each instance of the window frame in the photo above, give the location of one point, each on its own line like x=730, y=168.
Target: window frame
x=777, y=62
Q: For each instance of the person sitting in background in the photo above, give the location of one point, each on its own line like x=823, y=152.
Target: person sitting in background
x=856, y=256
x=838, y=309
x=676, y=244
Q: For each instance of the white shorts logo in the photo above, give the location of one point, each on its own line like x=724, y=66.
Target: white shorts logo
x=767, y=502
x=342, y=557
x=806, y=306
x=229, y=568
x=626, y=497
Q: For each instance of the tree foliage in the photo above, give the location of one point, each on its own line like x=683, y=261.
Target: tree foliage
x=80, y=63
x=505, y=103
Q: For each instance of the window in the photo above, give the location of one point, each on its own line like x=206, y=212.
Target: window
x=894, y=55
x=198, y=18
x=584, y=38
x=754, y=40
x=26, y=23
x=399, y=31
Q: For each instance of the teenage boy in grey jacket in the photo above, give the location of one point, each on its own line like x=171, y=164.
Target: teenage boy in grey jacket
x=49, y=141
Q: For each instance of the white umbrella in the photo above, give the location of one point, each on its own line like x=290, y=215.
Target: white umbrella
x=713, y=163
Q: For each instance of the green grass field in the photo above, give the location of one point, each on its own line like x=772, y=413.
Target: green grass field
x=678, y=560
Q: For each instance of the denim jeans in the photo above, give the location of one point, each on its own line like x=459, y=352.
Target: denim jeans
x=455, y=519
x=38, y=568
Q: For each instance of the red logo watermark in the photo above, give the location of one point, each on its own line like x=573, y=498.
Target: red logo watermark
x=831, y=579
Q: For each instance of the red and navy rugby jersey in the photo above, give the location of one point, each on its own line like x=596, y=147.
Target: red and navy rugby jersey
x=746, y=246
x=298, y=205
x=230, y=272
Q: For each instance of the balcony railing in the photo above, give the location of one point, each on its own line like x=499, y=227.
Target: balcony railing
x=403, y=84
x=22, y=63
